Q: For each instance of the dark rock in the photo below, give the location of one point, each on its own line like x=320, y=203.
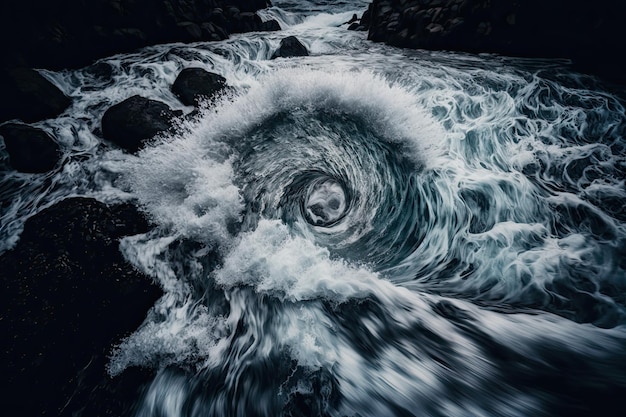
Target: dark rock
x=352, y=20
x=250, y=5
x=30, y=149
x=232, y=12
x=195, y=84
x=189, y=31
x=133, y=121
x=531, y=28
x=68, y=296
x=28, y=96
x=74, y=33
x=100, y=70
x=217, y=16
x=238, y=21
x=213, y=32
x=290, y=46
x=365, y=19
x=353, y=26
x=270, y=26
x=248, y=22
x=231, y=16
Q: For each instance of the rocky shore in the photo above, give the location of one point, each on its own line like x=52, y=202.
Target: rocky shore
x=590, y=34
x=97, y=30
x=73, y=33
x=68, y=296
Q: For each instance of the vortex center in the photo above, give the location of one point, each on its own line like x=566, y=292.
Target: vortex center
x=325, y=203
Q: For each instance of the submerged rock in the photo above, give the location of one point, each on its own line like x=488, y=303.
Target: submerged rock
x=290, y=46
x=196, y=84
x=133, y=121
x=68, y=295
x=30, y=149
x=28, y=96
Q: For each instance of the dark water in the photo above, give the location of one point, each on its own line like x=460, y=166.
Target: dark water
x=367, y=231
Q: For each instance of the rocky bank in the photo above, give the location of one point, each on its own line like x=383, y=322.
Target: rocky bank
x=68, y=295
x=73, y=33
x=591, y=34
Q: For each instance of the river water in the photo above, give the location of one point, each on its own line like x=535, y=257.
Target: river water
x=366, y=231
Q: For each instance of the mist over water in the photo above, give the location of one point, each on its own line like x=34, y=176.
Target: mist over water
x=367, y=231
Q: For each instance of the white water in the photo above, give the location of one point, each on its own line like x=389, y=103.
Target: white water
x=477, y=259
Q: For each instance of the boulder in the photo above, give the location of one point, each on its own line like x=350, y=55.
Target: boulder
x=290, y=46
x=270, y=26
x=132, y=122
x=246, y=22
x=28, y=96
x=196, y=84
x=30, y=149
x=189, y=32
x=237, y=21
x=68, y=296
x=101, y=71
x=213, y=32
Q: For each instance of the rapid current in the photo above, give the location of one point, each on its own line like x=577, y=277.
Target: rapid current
x=366, y=231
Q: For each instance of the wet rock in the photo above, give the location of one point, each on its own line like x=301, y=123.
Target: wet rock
x=213, y=32
x=290, y=46
x=100, y=71
x=28, y=96
x=247, y=22
x=195, y=84
x=270, y=26
x=68, y=295
x=365, y=19
x=133, y=121
x=74, y=33
x=218, y=17
x=189, y=31
x=30, y=149
x=250, y=5
x=532, y=28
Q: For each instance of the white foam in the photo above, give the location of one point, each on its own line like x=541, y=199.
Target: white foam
x=185, y=190
x=183, y=334
x=392, y=113
x=291, y=268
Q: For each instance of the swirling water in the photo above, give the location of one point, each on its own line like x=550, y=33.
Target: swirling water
x=367, y=231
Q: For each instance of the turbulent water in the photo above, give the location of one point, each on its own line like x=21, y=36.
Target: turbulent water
x=366, y=231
